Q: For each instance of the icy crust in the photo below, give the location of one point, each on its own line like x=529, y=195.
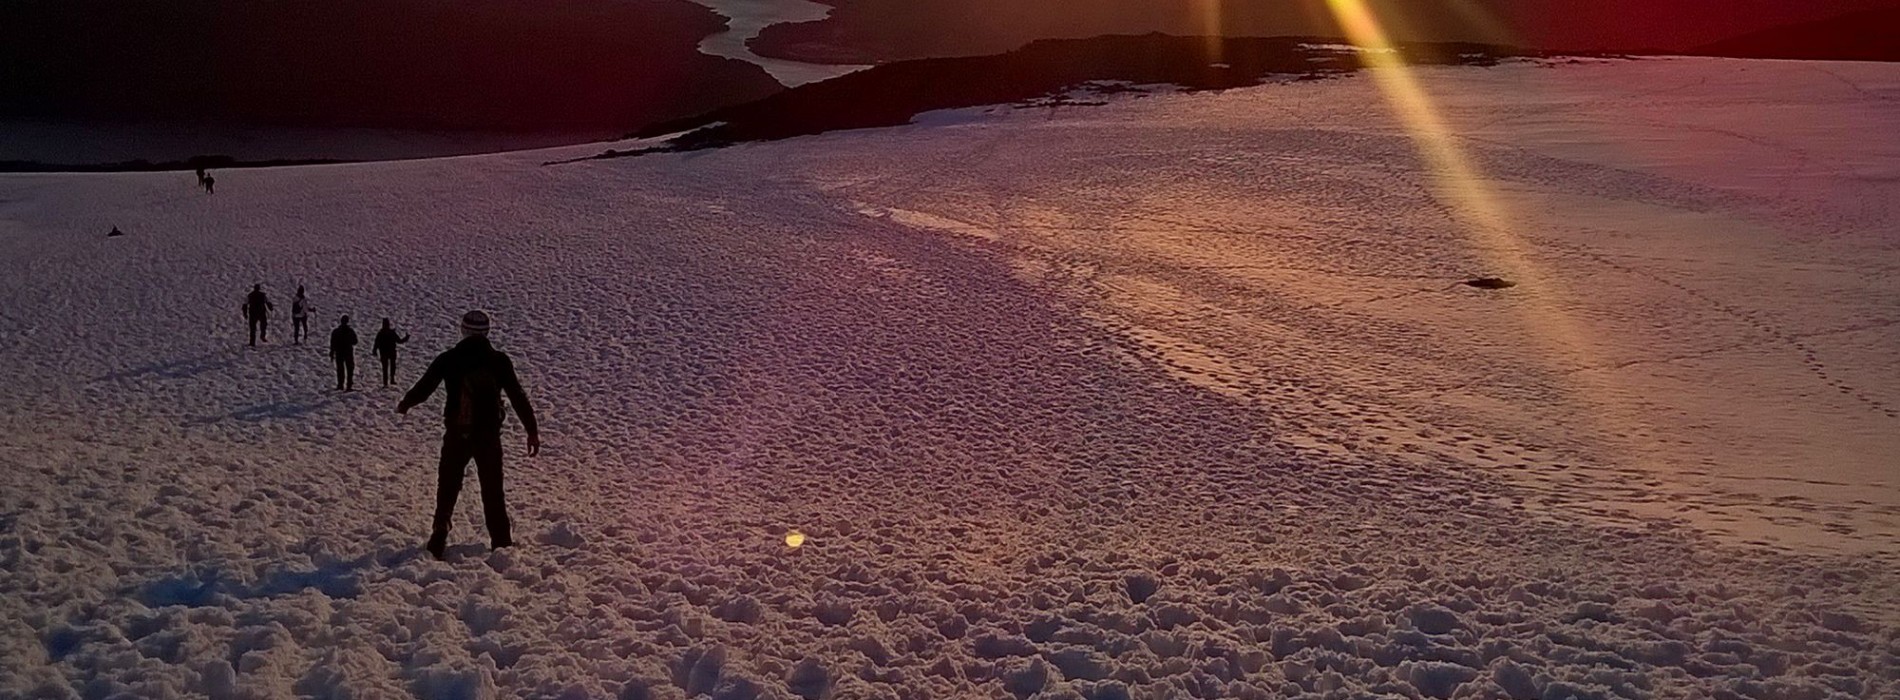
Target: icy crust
x=1327, y=580
x=638, y=612
x=1006, y=492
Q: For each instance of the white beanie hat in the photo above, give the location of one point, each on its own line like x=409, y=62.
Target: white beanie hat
x=475, y=322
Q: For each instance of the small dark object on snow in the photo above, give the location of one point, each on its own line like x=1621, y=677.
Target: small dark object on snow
x=1490, y=283
x=114, y=233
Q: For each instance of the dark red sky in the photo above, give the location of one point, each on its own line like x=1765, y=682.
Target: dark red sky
x=605, y=65
x=622, y=64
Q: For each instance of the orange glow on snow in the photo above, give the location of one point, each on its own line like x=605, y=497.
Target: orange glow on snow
x=1475, y=205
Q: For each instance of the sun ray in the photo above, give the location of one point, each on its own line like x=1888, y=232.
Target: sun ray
x=1212, y=25
x=1562, y=340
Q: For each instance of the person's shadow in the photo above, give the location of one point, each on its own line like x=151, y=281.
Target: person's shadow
x=268, y=411
x=176, y=369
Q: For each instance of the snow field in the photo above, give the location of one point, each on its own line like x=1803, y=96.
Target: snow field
x=1169, y=398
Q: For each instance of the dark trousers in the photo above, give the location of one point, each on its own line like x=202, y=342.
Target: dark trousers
x=457, y=450
x=260, y=328
x=389, y=368
x=299, y=329
x=345, y=371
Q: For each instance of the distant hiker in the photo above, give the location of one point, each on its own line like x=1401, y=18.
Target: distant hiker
x=210, y=183
x=343, y=350
x=385, y=348
x=299, y=318
x=114, y=233
x=477, y=375
x=257, y=308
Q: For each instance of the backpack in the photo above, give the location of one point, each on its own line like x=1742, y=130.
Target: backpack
x=478, y=386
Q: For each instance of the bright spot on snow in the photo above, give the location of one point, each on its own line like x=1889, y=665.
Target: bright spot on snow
x=794, y=539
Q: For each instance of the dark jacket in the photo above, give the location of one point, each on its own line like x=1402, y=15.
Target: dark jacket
x=342, y=340
x=386, y=341
x=477, y=375
x=257, y=306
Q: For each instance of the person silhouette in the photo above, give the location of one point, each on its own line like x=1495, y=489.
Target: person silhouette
x=257, y=308
x=385, y=349
x=300, y=317
x=477, y=375
x=210, y=183
x=343, y=351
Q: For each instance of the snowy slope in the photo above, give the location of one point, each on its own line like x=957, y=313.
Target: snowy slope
x=1173, y=397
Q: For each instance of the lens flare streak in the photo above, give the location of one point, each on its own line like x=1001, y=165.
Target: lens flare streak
x=1472, y=201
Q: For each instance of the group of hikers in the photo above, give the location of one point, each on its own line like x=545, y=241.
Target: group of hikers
x=208, y=182
x=343, y=341
x=475, y=376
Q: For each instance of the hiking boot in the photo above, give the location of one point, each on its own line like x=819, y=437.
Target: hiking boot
x=438, y=545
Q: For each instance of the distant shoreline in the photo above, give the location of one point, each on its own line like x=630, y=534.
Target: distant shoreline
x=886, y=95
x=881, y=31
x=746, y=19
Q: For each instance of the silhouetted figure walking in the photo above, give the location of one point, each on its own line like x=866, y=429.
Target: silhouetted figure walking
x=385, y=348
x=210, y=183
x=257, y=308
x=343, y=350
x=477, y=375
x=299, y=318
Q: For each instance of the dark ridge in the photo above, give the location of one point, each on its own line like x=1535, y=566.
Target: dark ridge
x=894, y=93
x=875, y=31
x=879, y=31
x=1871, y=35
x=493, y=65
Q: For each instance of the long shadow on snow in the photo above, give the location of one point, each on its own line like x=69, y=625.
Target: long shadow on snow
x=268, y=411
x=186, y=368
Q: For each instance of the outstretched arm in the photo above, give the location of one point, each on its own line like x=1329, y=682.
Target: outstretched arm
x=518, y=398
x=424, y=388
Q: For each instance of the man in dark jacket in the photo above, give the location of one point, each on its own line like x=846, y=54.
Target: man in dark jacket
x=257, y=310
x=343, y=350
x=477, y=375
x=385, y=349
